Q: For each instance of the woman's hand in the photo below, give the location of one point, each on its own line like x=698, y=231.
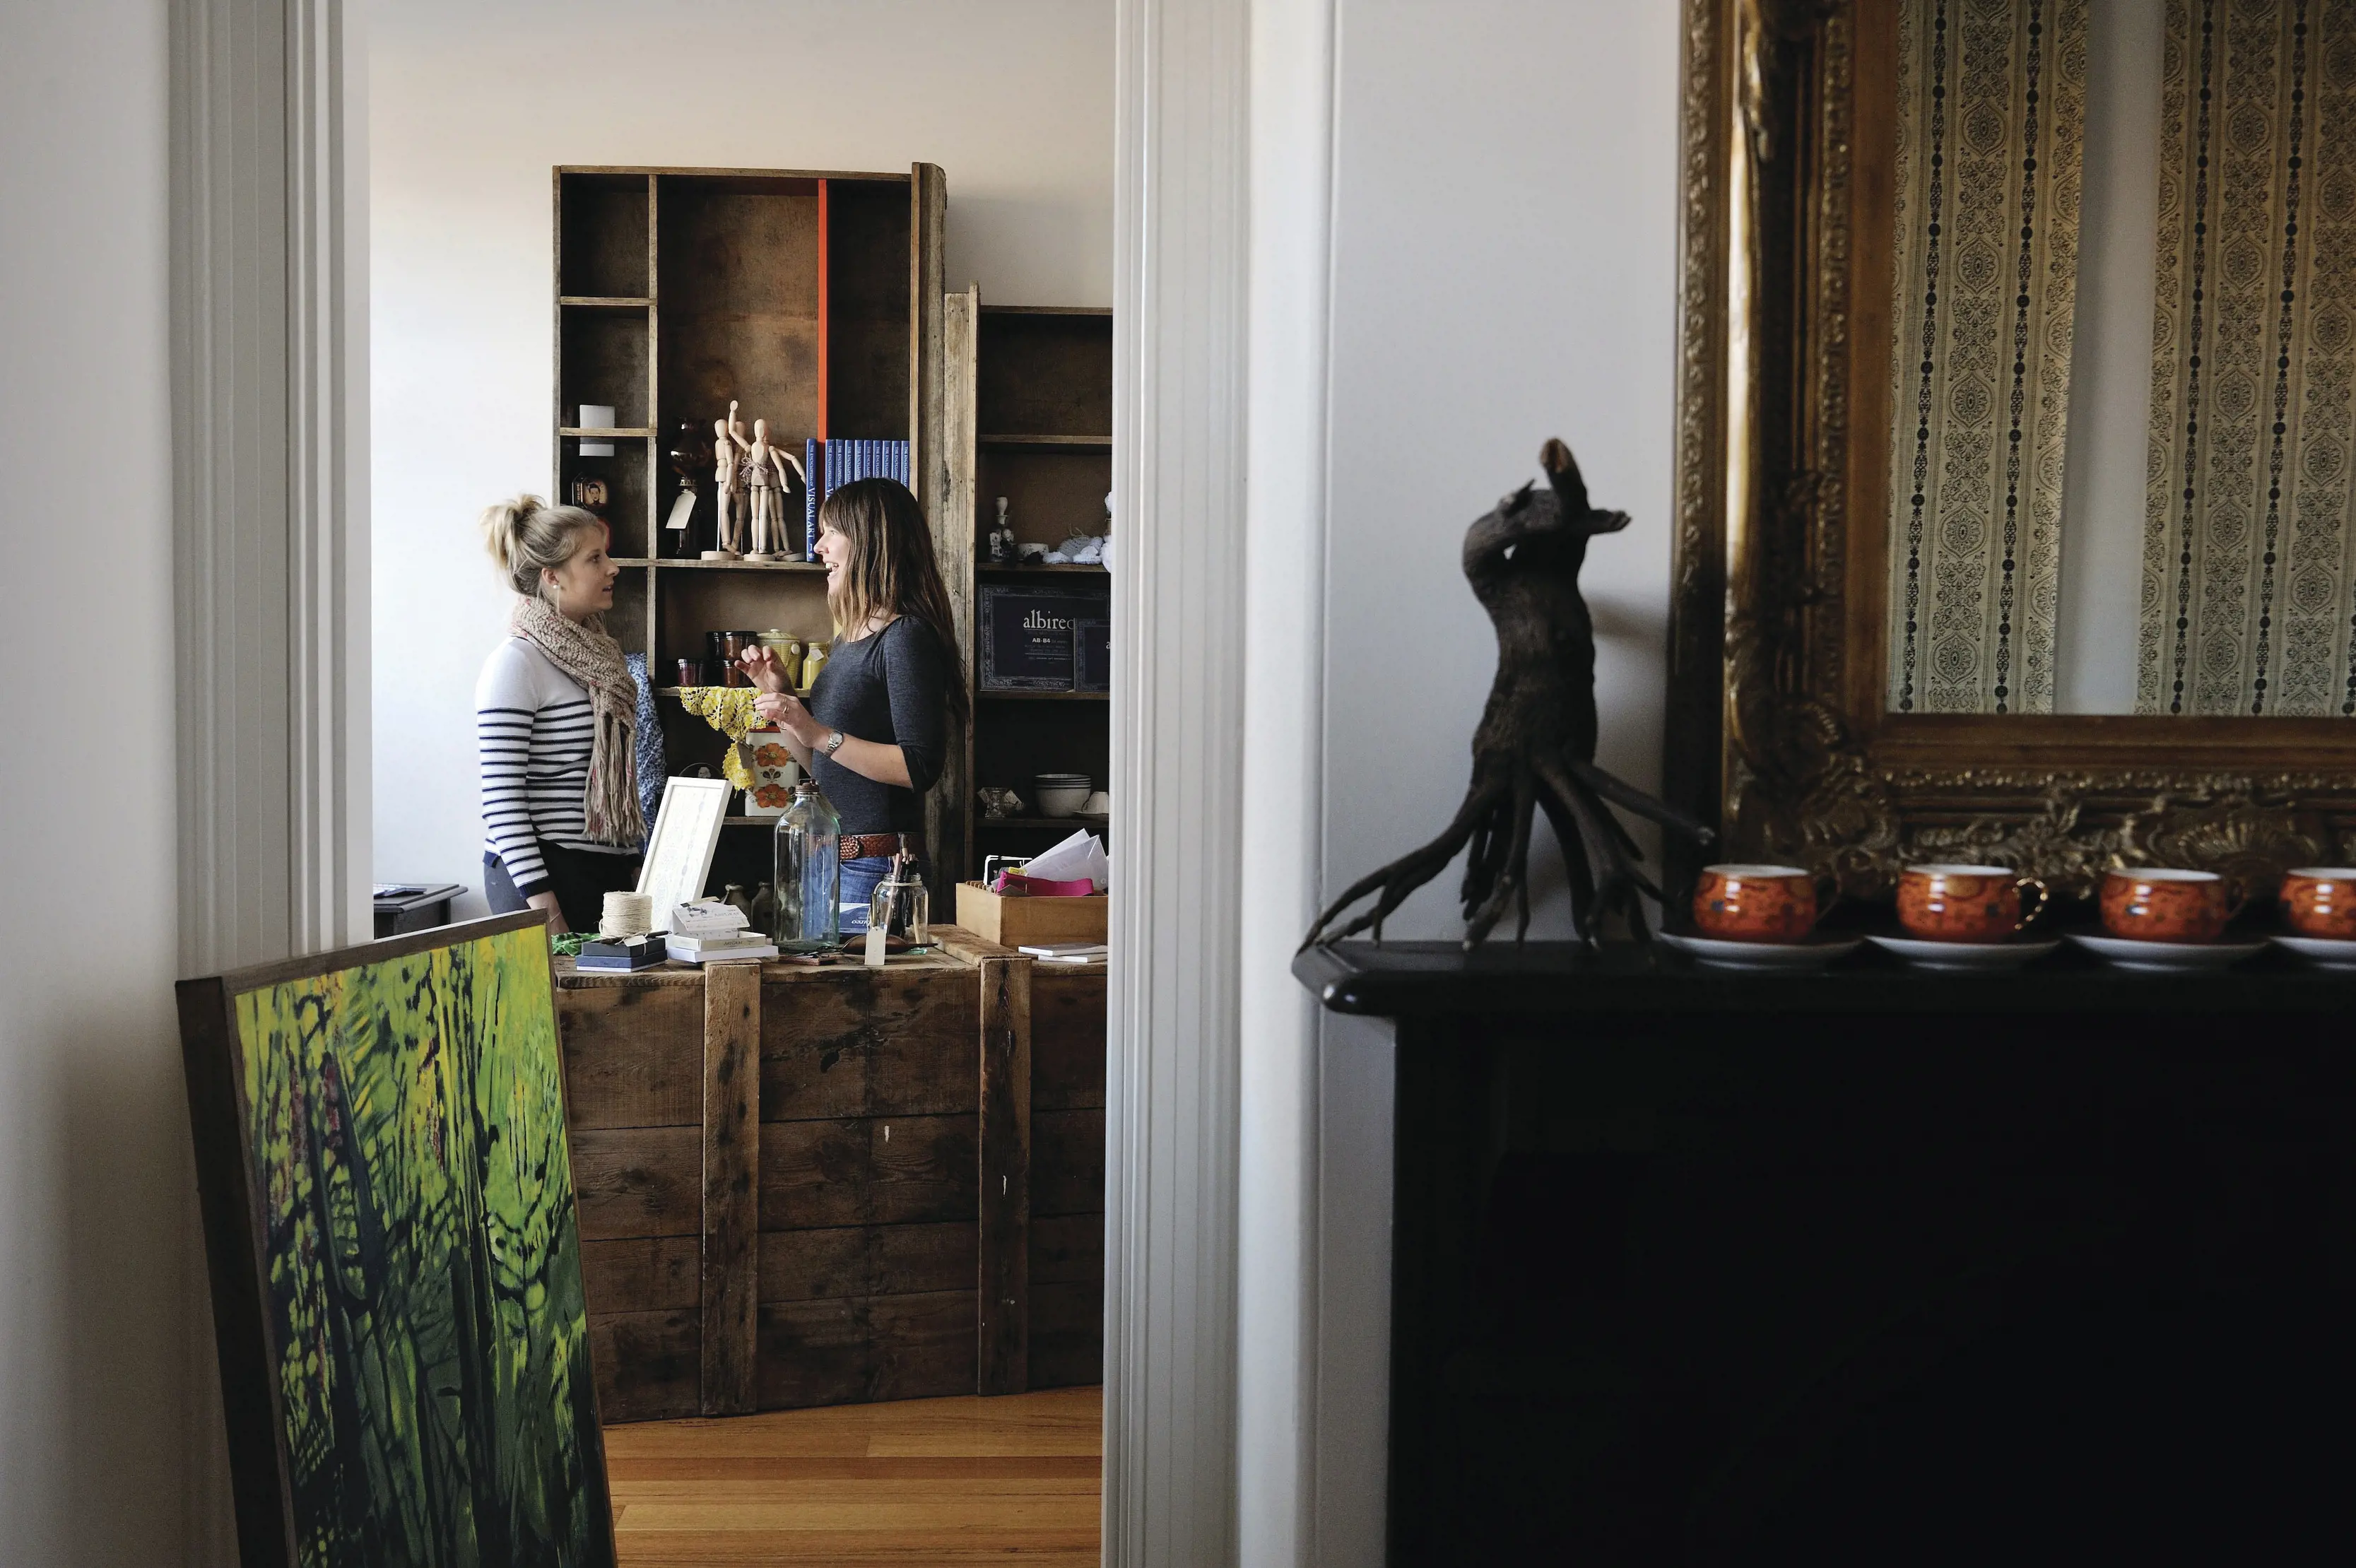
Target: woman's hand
x=546, y=902
x=760, y=665
x=784, y=709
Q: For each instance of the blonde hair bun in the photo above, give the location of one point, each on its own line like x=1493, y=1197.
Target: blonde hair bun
x=526, y=537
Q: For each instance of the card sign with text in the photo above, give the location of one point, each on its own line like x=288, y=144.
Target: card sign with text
x=1028, y=634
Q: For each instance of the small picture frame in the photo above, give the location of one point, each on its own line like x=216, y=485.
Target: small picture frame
x=679, y=849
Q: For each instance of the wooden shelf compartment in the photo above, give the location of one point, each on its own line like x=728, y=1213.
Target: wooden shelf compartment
x=1082, y=444
x=802, y=692
x=607, y=359
x=688, y=604
x=629, y=508
x=604, y=234
x=669, y=564
x=739, y=256
x=1050, y=495
x=1048, y=371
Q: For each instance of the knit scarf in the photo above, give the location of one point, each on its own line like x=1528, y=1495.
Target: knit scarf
x=582, y=650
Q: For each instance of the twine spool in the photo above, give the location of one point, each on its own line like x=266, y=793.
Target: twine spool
x=626, y=914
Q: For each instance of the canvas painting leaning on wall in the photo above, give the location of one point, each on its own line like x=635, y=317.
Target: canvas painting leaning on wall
x=396, y=1264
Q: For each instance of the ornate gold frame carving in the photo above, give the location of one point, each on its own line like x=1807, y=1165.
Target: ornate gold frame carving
x=1777, y=724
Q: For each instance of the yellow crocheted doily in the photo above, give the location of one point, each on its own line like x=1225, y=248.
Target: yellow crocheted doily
x=729, y=710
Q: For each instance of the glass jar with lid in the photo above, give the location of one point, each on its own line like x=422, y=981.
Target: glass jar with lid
x=900, y=906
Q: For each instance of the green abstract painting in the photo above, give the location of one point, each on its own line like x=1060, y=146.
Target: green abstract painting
x=419, y=1261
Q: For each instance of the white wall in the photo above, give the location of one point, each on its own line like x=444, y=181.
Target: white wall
x=1503, y=235
x=472, y=104
x=95, y=1169
x=1504, y=266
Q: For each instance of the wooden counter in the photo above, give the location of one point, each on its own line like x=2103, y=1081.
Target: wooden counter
x=819, y=1186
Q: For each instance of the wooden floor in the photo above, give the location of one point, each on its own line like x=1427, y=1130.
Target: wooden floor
x=1014, y=1479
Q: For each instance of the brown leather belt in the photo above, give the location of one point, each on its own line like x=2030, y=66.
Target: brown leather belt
x=867, y=846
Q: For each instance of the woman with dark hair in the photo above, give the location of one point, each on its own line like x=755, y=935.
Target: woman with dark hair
x=891, y=698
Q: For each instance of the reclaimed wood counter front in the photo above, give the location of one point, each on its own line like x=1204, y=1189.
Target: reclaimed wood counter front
x=808, y=1186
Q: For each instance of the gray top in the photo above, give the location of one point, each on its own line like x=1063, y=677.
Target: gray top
x=893, y=688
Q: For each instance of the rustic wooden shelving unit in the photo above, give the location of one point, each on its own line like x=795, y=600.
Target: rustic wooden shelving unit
x=811, y=297
x=1030, y=401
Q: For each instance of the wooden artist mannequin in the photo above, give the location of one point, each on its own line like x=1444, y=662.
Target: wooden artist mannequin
x=727, y=490
x=764, y=472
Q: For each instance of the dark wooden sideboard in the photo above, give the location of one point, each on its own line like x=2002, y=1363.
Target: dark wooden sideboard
x=1869, y=1264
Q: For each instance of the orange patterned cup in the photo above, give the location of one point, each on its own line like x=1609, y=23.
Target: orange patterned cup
x=2321, y=900
x=1965, y=903
x=2152, y=903
x=1755, y=904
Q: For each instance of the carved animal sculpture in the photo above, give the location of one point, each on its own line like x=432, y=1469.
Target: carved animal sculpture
x=1536, y=746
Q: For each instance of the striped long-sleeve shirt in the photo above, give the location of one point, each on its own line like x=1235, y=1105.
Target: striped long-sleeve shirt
x=532, y=735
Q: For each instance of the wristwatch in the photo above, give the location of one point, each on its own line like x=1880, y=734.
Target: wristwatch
x=828, y=747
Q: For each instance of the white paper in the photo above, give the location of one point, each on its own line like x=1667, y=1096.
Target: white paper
x=1081, y=855
x=596, y=416
x=874, y=947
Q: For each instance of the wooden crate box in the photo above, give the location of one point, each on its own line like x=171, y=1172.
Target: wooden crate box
x=1068, y=1176
x=870, y=1182
x=806, y=1187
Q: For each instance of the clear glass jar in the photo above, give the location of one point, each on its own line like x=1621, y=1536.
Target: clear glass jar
x=900, y=906
x=808, y=842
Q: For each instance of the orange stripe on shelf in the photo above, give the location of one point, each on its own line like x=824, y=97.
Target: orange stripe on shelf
x=824, y=267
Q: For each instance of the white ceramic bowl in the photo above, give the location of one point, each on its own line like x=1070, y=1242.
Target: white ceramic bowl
x=1064, y=801
x=1096, y=805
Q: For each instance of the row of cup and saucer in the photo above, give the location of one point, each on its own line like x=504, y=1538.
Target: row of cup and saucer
x=1970, y=919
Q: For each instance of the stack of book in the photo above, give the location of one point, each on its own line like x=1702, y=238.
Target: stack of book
x=1069, y=952
x=709, y=931
x=830, y=464
x=620, y=955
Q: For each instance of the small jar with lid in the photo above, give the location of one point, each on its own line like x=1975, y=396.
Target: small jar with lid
x=900, y=906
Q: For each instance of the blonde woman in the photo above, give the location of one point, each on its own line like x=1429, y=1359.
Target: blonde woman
x=555, y=716
x=890, y=700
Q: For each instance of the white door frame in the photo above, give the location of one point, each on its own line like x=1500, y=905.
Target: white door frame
x=1218, y=690
x=1172, y=1086
x=270, y=464
x=1245, y=1306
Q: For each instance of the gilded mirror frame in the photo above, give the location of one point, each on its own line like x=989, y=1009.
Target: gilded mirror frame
x=1777, y=726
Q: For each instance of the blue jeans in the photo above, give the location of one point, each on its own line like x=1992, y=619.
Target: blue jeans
x=860, y=879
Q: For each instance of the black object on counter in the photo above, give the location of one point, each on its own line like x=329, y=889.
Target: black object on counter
x=414, y=907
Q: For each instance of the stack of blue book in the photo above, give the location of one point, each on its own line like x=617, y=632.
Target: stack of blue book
x=838, y=462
